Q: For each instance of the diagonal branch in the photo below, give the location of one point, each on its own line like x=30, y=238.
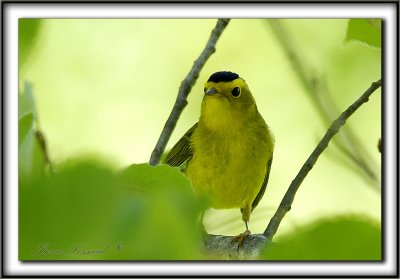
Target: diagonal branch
x=318, y=92
x=287, y=200
x=184, y=91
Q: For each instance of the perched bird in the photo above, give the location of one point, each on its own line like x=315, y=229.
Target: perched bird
x=228, y=153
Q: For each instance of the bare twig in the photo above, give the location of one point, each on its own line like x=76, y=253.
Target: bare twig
x=184, y=90
x=287, y=200
x=39, y=136
x=43, y=146
x=317, y=90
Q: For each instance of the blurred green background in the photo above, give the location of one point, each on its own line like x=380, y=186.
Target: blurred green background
x=104, y=88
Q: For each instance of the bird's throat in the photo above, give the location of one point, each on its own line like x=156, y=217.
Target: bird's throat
x=219, y=115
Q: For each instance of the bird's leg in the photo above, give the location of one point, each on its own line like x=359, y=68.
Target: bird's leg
x=246, y=218
x=247, y=231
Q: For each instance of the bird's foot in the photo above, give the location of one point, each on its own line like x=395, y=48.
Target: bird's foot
x=241, y=238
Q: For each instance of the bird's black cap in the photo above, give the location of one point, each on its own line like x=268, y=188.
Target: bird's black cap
x=223, y=77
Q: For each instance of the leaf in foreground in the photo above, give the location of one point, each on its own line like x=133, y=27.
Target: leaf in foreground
x=87, y=212
x=367, y=31
x=337, y=238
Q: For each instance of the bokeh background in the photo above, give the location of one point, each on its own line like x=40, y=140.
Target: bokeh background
x=105, y=87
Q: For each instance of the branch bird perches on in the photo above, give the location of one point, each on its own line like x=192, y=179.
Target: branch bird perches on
x=287, y=201
x=222, y=246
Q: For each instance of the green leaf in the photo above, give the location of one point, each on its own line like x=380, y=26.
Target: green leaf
x=26, y=101
x=28, y=31
x=159, y=178
x=31, y=160
x=340, y=238
x=86, y=212
x=25, y=125
x=68, y=210
x=375, y=23
x=167, y=214
x=367, y=31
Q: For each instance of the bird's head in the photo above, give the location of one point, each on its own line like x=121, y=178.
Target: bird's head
x=227, y=98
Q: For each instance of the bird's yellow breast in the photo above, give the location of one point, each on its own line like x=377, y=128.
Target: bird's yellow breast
x=229, y=163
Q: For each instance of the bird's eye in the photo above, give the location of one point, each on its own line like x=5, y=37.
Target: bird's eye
x=236, y=92
x=205, y=89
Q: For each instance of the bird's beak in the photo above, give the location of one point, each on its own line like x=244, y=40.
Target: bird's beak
x=211, y=91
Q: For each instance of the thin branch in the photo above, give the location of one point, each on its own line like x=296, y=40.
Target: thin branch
x=39, y=136
x=43, y=146
x=184, y=90
x=287, y=200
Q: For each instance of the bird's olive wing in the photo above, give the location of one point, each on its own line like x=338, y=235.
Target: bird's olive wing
x=263, y=187
x=182, y=150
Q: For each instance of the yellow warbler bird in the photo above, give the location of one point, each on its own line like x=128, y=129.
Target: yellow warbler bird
x=228, y=153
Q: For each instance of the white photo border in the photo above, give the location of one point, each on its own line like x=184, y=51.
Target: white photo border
x=12, y=11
